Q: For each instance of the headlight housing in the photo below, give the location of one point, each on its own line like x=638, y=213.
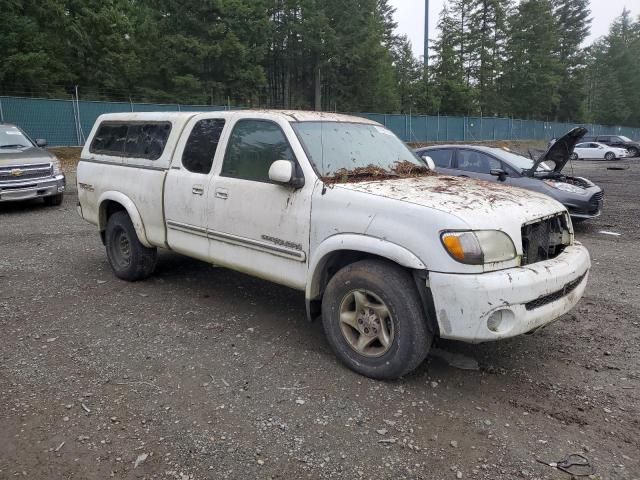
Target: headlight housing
x=479, y=247
x=565, y=187
x=57, y=168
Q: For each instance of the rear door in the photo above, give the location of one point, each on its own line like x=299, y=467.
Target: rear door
x=617, y=142
x=584, y=150
x=597, y=151
x=187, y=187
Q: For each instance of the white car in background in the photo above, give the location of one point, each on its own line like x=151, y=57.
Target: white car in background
x=598, y=150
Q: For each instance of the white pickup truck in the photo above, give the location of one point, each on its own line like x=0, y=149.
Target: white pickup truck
x=390, y=254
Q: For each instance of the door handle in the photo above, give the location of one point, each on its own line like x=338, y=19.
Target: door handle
x=197, y=190
x=222, y=193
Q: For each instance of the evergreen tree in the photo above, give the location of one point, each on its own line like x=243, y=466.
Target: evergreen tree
x=488, y=35
x=32, y=48
x=614, y=74
x=408, y=74
x=532, y=78
x=573, y=28
x=461, y=36
x=454, y=95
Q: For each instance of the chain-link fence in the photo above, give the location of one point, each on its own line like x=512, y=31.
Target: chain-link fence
x=68, y=122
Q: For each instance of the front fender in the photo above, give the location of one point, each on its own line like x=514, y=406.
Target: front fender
x=131, y=209
x=358, y=243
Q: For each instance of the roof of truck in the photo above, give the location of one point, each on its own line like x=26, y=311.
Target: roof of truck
x=288, y=115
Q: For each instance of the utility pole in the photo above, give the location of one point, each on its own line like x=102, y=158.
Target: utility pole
x=426, y=34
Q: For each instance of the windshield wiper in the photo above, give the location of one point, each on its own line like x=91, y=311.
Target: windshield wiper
x=14, y=145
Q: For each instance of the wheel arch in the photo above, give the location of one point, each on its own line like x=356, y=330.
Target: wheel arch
x=111, y=202
x=341, y=250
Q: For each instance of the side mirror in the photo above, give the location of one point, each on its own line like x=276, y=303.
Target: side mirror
x=283, y=172
x=41, y=142
x=430, y=163
x=500, y=173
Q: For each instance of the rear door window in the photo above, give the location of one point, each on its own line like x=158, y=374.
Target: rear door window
x=136, y=139
x=202, y=145
x=442, y=158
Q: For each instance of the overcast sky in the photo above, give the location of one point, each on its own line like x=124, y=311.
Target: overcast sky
x=410, y=17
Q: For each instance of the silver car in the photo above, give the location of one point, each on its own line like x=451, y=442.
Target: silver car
x=579, y=195
x=27, y=170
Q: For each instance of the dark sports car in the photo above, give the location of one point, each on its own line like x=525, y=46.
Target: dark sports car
x=582, y=197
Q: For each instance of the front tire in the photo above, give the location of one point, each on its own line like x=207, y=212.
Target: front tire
x=54, y=200
x=610, y=156
x=374, y=320
x=129, y=259
x=574, y=156
x=633, y=152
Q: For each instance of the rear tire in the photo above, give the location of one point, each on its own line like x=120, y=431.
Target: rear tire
x=54, y=200
x=129, y=259
x=610, y=156
x=374, y=320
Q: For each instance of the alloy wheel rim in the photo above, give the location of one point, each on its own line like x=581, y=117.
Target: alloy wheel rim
x=366, y=323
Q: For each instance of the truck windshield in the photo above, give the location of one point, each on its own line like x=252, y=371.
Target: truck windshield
x=336, y=147
x=625, y=139
x=12, y=137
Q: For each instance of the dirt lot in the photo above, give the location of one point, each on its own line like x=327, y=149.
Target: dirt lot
x=201, y=372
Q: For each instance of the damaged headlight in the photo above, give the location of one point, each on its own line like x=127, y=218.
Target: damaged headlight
x=565, y=187
x=479, y=247
x=57, y=168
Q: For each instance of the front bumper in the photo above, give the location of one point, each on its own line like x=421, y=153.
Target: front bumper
x=588, y=207
x=46, y=187
x=503, y=304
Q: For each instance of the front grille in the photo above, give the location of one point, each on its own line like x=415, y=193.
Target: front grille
x=544, y=239
x=20, y=173
x=552, y=297
x=595, y=204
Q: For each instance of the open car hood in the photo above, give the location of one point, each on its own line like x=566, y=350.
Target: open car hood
x=560, y=152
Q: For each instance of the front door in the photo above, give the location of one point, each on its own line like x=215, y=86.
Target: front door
x=188, y=184
x=259, y=227
x=474, y=164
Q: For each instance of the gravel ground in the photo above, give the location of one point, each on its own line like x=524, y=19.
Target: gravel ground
x=201, y=372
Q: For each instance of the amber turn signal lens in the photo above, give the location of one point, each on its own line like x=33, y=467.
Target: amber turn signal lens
x=454, y=246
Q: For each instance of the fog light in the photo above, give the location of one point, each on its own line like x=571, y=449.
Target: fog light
x=501, y=321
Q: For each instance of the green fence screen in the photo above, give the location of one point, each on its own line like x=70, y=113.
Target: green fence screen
x=68, y=123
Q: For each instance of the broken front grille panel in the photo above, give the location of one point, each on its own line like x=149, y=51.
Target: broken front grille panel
x=20, y=173
x=545, y=239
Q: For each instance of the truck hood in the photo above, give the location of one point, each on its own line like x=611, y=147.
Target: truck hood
x=478, y=203
x=24, y=156
x=560, y=152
